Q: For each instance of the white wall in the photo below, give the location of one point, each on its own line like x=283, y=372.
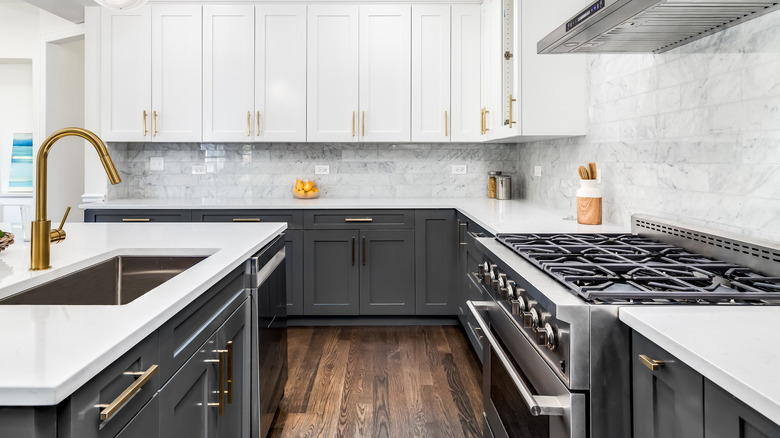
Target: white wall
x=16, y=109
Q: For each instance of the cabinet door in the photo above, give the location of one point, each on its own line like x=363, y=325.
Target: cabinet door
x=176, y=73
x=668, y=402
x=280, y=73
x=234, y=337
x=293, y=244
x=330, y=272
x=228, y=72
x=491, y=66
x=431, y=73
x=465, y=119
x=146, y=424
x=385, y=63
x=332, y=79
x=126, y=75
x=727, y=417
x=436, y=247
x=387, y=272
x=189, y=405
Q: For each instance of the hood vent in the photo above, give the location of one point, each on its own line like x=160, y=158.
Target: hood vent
x=648, y=26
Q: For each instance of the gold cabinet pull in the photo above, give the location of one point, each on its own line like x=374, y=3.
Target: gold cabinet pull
x=230, y=371
x=353, y=251
x=221, y=385
x=486, y=128
x=358, y=219
x=364, y=250
x=258, y=123
x=154, y=123
x=482, y=121
x=445, y=123
x=654, y=365
x=364, y=123
x=511, y=118
x=248, y=123
x=353, y=123
x=246, y=219
x=145, y=131
x=136, y=219
x=127, y=394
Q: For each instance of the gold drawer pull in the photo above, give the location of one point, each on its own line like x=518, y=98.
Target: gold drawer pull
x=154, y=123
x=130, y=219
x=145, y=131
x=246, y=219
x=654, y=365
x=358, y=219
x=127, y=394
x=230, y=371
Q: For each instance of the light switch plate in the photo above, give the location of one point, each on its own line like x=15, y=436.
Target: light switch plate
x=157, y=163
x=537, y=170
x=321, y=169
x=199, y=170
x=459, y=169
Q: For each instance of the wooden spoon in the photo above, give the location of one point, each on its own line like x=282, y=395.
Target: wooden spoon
x=592, y=170
x=584, y=172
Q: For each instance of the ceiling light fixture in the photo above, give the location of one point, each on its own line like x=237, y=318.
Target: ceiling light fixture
x=121, y=5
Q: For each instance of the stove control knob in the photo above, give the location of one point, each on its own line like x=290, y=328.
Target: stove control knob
x=518, y=306
x=510, y=290
x=531, y=319
x=481, y=270
x=500, y=284
x=552, y=336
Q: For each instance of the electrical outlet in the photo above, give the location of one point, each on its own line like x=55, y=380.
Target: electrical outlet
x=459, y=169
x=157, y=163
x=199, y=170
x=321, y=169
x=537, y=170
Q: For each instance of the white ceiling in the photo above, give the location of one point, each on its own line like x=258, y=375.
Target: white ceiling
x=72, y=10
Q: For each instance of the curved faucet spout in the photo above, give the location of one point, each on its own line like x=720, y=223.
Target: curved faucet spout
x=41, y=239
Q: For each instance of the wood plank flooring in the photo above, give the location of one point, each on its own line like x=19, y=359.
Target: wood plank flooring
x=422, y=381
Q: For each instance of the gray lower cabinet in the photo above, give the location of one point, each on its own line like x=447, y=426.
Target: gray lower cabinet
x=331, y=279
x=727, y=417
x=387, y=272
x=466, y=287
x=146, y=424
x=137, y=215
x=667, y=401
x=293, y=245
x=436, y=248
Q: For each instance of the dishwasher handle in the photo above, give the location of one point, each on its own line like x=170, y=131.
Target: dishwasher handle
x=260, y=266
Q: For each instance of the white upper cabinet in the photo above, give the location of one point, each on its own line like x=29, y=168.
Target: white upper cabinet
x=332, y=80
x=150, y=73
x=126, y=75
x=465, y=121
x=431, y=113
x=228, y=73
x=280, y=73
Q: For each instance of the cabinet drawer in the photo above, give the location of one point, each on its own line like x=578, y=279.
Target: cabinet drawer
x=181, y=336
x=137, y=216
x=293, y=218
x=358, y=219
x=79, y=416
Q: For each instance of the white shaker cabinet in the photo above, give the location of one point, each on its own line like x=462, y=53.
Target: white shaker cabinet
x=465, y=121
x=332, y=79
x=151, y=77
x=385, y=63
x=431, y=113
x=280, y=73
x=228, y=73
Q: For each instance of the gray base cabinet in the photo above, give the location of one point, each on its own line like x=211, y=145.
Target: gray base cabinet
x=727, y=417
x=331, y=283
x=146, y=424
x=436, y=253
x=466, y=288
x=387, y=272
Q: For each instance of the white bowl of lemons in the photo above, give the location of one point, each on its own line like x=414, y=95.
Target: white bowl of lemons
x=305, y=189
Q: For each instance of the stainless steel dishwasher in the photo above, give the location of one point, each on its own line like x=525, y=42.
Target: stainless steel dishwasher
x=266, y=280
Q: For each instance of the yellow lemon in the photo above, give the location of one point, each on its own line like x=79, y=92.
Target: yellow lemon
x=308, y=185
x=298, y=184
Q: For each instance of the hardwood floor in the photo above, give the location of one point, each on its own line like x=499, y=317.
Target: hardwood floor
x=422, y=381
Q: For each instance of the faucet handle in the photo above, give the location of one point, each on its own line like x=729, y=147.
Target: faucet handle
x=58, y=235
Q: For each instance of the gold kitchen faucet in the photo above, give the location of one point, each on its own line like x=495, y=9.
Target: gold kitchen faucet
x=42, y=234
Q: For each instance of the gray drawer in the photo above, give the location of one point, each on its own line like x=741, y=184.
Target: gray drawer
x=293, y=218
x=358, y=219
x=183, y=334
x=79, y=417
x=137, y=216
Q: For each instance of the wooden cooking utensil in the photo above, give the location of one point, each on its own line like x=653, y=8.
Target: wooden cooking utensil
x=592, y=170
x=584, y=173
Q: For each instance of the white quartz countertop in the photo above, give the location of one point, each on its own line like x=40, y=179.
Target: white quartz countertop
x=50, y=351
x=737, y=348
x=496, y=216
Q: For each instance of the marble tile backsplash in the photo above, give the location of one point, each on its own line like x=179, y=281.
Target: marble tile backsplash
x=692, y=134
x=268, y=170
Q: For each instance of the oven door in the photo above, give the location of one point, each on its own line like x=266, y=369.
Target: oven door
x=522, y=395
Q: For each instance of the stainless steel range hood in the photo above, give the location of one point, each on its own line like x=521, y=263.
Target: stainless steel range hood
x=644, y=26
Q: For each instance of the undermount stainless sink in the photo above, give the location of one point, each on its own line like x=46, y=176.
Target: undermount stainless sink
x=116, y=281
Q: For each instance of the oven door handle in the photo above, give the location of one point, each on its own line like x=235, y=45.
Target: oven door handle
x=537, y=404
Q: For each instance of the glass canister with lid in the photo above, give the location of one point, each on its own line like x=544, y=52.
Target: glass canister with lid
x=492, y=183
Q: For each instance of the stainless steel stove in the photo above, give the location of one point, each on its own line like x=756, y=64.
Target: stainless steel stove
x=562, y=292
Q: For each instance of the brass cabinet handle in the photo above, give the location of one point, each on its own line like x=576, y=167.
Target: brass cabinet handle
x=482, y=121
x=511, y=118
x=353, y=123
x=358, y=219
x=445, y=123
x=127, y=394
x=364, y=123
x=221, y=385
x=654, y=365
x=145, y=131
x=353, y=251
x=258, y=123
x=248, y=123
x=132, y=219
x=246, y=219
x=154, y=123
x=486, y=128
x=230, y=371
x=364, y=250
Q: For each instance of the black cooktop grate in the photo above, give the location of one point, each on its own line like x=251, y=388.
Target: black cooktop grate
x=627, y=267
